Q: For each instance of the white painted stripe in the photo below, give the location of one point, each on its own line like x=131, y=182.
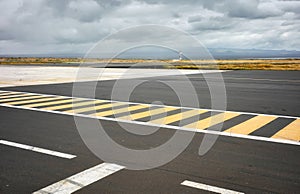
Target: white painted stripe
x=209, y=188
x=36, y=149
x=82, y=179
x=168, y=126
x=163, y=126
x=159, y=105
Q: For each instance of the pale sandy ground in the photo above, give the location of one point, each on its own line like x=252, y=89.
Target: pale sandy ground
x=30, y=75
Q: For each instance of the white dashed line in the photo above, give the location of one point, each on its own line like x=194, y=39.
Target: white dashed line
x=36, y=149
x=82, y=179
x=209, y=188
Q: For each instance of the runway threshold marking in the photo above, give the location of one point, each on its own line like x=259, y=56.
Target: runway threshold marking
x=209, y=187
x=37, y=149
x=31, y=101
x=59, y=101
x=94, y=108
x=147, y=113
x=213, y=120
x=121, y=110
x=25, y=97
x=177, y=117
x=251, y=125
x=162, y=116
x=81, y=179
x=73, y=105
x=290, y=132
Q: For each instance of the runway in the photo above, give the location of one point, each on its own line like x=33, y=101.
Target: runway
x=257, y=150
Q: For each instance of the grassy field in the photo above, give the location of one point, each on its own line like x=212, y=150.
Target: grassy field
x=239, y=64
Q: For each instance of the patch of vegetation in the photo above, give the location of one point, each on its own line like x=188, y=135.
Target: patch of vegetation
x=239, y=64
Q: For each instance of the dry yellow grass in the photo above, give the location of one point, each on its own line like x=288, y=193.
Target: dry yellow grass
x=240, y=64
x=243, y=64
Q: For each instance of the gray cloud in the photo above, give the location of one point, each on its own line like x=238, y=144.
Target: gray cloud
x=46, y=26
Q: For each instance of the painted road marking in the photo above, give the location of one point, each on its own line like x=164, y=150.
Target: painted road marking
x=148, y=113
x=250, y=125
x=72, y=105
x=95, y=108
x=37, y=149
x=243, y=129
x=210, y=188
x=121, y=110
x=26, y=97
x=8, y=93
x=291, y=131
x=213, y=120
x=33, y=101
x=60, y=101
x=12, y=97
x=177, y=117
x=15, y=95
x=82, y=179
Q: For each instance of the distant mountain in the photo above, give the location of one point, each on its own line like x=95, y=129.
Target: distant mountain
x=227, y=53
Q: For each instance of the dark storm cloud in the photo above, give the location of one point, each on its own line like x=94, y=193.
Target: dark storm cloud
x=44, y=26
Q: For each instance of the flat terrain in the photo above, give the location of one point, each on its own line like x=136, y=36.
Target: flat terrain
x=236, y=64
x=239, y=164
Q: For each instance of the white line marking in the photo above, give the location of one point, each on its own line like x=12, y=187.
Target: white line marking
x=159, y=105
x=273, y=140
x=36, y=149
x=209, y=188
x=283, y=141
x=82, y=179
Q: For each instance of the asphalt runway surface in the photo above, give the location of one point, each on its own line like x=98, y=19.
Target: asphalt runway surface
x=237, y=164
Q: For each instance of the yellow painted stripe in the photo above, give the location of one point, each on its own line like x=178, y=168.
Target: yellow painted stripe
x=120, y=110
x=213, y=120
x=71, y=105
x=251, y=125
x=33, y=101
x=9, y=93
x=21, y=98
x=147, y=113
x=177, y=117
x=290, y=132
x=58, y=101
x=14, y=96
x=94, y=108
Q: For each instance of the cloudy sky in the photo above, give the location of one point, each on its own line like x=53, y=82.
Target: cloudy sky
x=74, y=26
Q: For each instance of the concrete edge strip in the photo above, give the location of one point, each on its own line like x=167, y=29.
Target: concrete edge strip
x=158, y=105
x=208, y=187
x=37, y=149
x=163, y=126
x=81, y=179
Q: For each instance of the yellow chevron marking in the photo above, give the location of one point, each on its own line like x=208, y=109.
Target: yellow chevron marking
x=21, y=98
x=213, y=120
x=290, y=132
x=251, y=125
x=147, y=113
x=94, y=108
x=33, y=101
x=11, y=97
x=71, y=105
x=121, y=110
x=59, y=101
x=177, y=117
x=8, y=93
